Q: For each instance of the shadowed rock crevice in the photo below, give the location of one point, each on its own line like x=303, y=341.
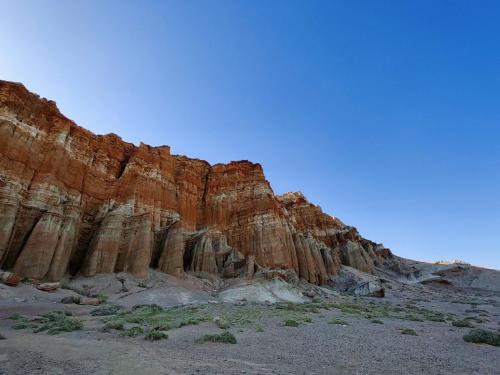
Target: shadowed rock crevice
x=78, y=253
x=123, y=164
x=160, y=237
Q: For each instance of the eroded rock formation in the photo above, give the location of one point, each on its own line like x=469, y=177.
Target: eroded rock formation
x=75, y=202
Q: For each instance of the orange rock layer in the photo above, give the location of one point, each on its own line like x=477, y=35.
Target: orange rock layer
x=75, y=202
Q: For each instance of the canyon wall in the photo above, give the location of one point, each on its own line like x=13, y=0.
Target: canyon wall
x=75, y=202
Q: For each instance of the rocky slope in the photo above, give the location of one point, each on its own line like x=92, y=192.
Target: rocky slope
x=79, y=203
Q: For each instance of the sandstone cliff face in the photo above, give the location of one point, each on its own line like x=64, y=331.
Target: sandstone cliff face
x=75, y=202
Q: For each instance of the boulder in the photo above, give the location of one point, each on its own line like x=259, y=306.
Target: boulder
x=371, y=288
x=49, y=287
x=9, y=278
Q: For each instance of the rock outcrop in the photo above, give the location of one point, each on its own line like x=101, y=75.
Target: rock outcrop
x=75, y=202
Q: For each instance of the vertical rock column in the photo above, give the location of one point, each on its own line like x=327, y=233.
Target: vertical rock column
x=322, y=276
x=36, y=255
x=105, y=245
x=66, y=243
x=172, y=256
x=203, y=256
x=298, y=241
x=250, y=266
x=141, y=245
x=9, y=203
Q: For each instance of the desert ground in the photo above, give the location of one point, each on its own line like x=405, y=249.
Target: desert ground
x=158, y=326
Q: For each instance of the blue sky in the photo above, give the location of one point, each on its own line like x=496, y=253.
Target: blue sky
x=385, y=113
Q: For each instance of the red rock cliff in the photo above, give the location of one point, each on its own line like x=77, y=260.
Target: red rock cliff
x=75, y=202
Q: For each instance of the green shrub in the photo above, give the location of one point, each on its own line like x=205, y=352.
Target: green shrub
x=408, y=331
x=154, y=317
x=190, y=322
x=148, y=308
x=463, y=323
x=161, y=326
x=118, y=325
x=301, y=307
x=134, y=331
x=482, y=336
x=106, y=310
x=433, y=316
x=225, y=337
x=155, y=335
x=413, y=318
x=22, y=325
x=16, y=316
x=55, y=322
x=291, y=323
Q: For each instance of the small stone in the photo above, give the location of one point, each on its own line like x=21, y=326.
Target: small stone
x=48, y=287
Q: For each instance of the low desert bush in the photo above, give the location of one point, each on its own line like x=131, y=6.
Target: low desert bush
x=53, y=322
x=225, y=337
x=113, y=325
x=155, y=335
x=482, y=336
x=464, y=323
x=106, y=310
x=291, y=323
x=134, y=331
x=408, y=331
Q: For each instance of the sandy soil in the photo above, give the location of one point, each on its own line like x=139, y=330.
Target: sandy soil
x=319, y=347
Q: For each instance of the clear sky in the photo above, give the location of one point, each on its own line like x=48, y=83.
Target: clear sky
x=385, y=113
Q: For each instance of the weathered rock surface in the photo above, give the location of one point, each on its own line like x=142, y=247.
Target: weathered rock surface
x=49, y=287
x=75, y=202
x=9, y=278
